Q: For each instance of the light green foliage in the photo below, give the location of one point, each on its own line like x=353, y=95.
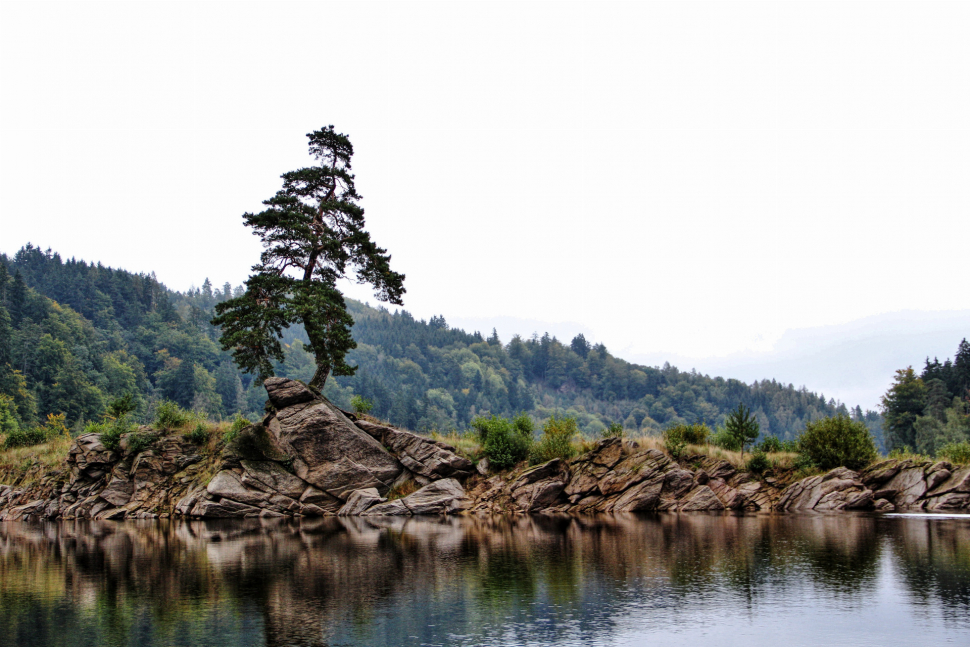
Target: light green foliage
x=836, y=442
x=674, y=441
x=361, y=405
x=771, y=444
x=111, y=431
x=557, y=438
x=723, y=439
x=956, y=452
x=742, y=426
x=503, y=443
x=8, y=415
x=615, y=430
x=169, y=415
x=238, y=424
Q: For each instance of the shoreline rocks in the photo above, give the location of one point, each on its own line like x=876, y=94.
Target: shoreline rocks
x=307, y=458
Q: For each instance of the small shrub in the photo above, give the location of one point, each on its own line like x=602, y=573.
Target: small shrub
x=238, y=424
x=769, y=444
x=836, y=442
x=615, y=430
x=725, y=440
x=955, y=452
x=138, y=441
x=674, y=441
x=556, y=441
x=111, y=432
x=199, y=434
x=758, y=462
x=524, y=425
x=171, y=416
x=504, y=444
x=361, y=405
x=25, y=437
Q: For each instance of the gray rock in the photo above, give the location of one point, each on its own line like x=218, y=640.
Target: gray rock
x=642, y=496
x=359, y=501
x=910, y=486
x=422, y=456
x=702, y=499
x=273, y=476
x=284, y=392
x=441, y=497
x=332, y=453
x=482, y=467
x=540, y=486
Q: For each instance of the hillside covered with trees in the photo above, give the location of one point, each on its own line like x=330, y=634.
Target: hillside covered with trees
x=74, y=335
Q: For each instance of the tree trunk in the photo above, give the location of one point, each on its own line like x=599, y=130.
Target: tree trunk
x=319, y=378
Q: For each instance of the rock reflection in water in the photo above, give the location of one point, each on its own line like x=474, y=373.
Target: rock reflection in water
x=509, y=580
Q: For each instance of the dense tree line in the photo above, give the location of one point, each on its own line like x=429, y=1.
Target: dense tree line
x=928, y=411
x=73, y=335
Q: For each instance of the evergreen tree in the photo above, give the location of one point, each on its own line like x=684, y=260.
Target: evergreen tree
x=742, y=426
x=312, y=227
x=902, y=404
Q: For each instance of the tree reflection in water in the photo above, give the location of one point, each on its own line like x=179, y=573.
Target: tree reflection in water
x=546, y=580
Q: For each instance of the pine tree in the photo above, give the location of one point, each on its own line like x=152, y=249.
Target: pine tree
x=742, y=426
x=313, y=234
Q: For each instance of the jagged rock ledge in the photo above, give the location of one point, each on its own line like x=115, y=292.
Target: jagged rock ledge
x=309, y=458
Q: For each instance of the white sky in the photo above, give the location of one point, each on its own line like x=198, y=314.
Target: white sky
x=685, y=178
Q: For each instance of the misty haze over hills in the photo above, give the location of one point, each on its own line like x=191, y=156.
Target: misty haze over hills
x=853, y=362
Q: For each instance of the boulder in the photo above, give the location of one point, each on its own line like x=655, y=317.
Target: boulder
x=331, y=452
x=703, y=498
x=89, y=458
x=642, y=496
x=540, y=486
x=422, y=456
x=359, y=501
x=272, y=475
x=441, y=497
x=910, y=486
x=284, y=392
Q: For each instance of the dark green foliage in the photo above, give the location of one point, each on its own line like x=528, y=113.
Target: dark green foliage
x=313, y=227
x=615, y=430
x=770, y=444
x=171, y=416
x=742, y=427
x=111, y=431
x=836, y=442
x=758, y=463
x=674, y=440
x=25, y=437
x=361, y=405
x=138, y=441
x=199, y=435
x=902, y=404
x=122, y=406
x=504, y=444
x=556, y=441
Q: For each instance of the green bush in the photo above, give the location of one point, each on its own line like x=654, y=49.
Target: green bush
x=758, y=462
x=171, y=416
x=674, y=440
x=111, y=431
x=25, y=437
x=139, y=441
x=361, y=405
x=836, y=442
x=769, y=444
x=615, y=430
x=504, y=443
x=955, y=452
x=556, y=440
x=725, y=440
x=523, y=424
x=238, y=424
x=121, y=407
x=199, y=434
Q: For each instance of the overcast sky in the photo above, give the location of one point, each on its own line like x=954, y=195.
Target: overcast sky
x=683, y=178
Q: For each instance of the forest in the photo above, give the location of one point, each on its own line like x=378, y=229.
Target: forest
x=929, y=411
x=75, y=335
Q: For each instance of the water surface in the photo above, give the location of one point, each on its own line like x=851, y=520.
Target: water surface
x=667, y=579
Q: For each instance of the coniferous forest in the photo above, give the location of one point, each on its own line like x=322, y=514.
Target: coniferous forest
x=75, y=335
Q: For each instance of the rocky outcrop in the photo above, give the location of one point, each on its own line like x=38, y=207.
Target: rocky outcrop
x=309, y=458
x=619, y=476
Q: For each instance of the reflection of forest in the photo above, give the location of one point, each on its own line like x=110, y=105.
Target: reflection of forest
x=381, y=581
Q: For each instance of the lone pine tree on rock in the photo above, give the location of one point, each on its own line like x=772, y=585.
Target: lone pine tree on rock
x=313, y=234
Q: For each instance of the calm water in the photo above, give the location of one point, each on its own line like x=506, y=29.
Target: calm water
x=671, y=580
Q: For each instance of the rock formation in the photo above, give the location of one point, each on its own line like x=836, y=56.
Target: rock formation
x=309, y=458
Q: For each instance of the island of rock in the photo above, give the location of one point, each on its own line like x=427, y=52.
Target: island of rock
x=309, y=458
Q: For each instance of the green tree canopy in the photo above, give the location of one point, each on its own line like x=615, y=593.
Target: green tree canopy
x=903, y=403
x=742, y=426
x=313, y=234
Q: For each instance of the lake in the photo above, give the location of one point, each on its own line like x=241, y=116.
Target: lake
x=640, y=580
